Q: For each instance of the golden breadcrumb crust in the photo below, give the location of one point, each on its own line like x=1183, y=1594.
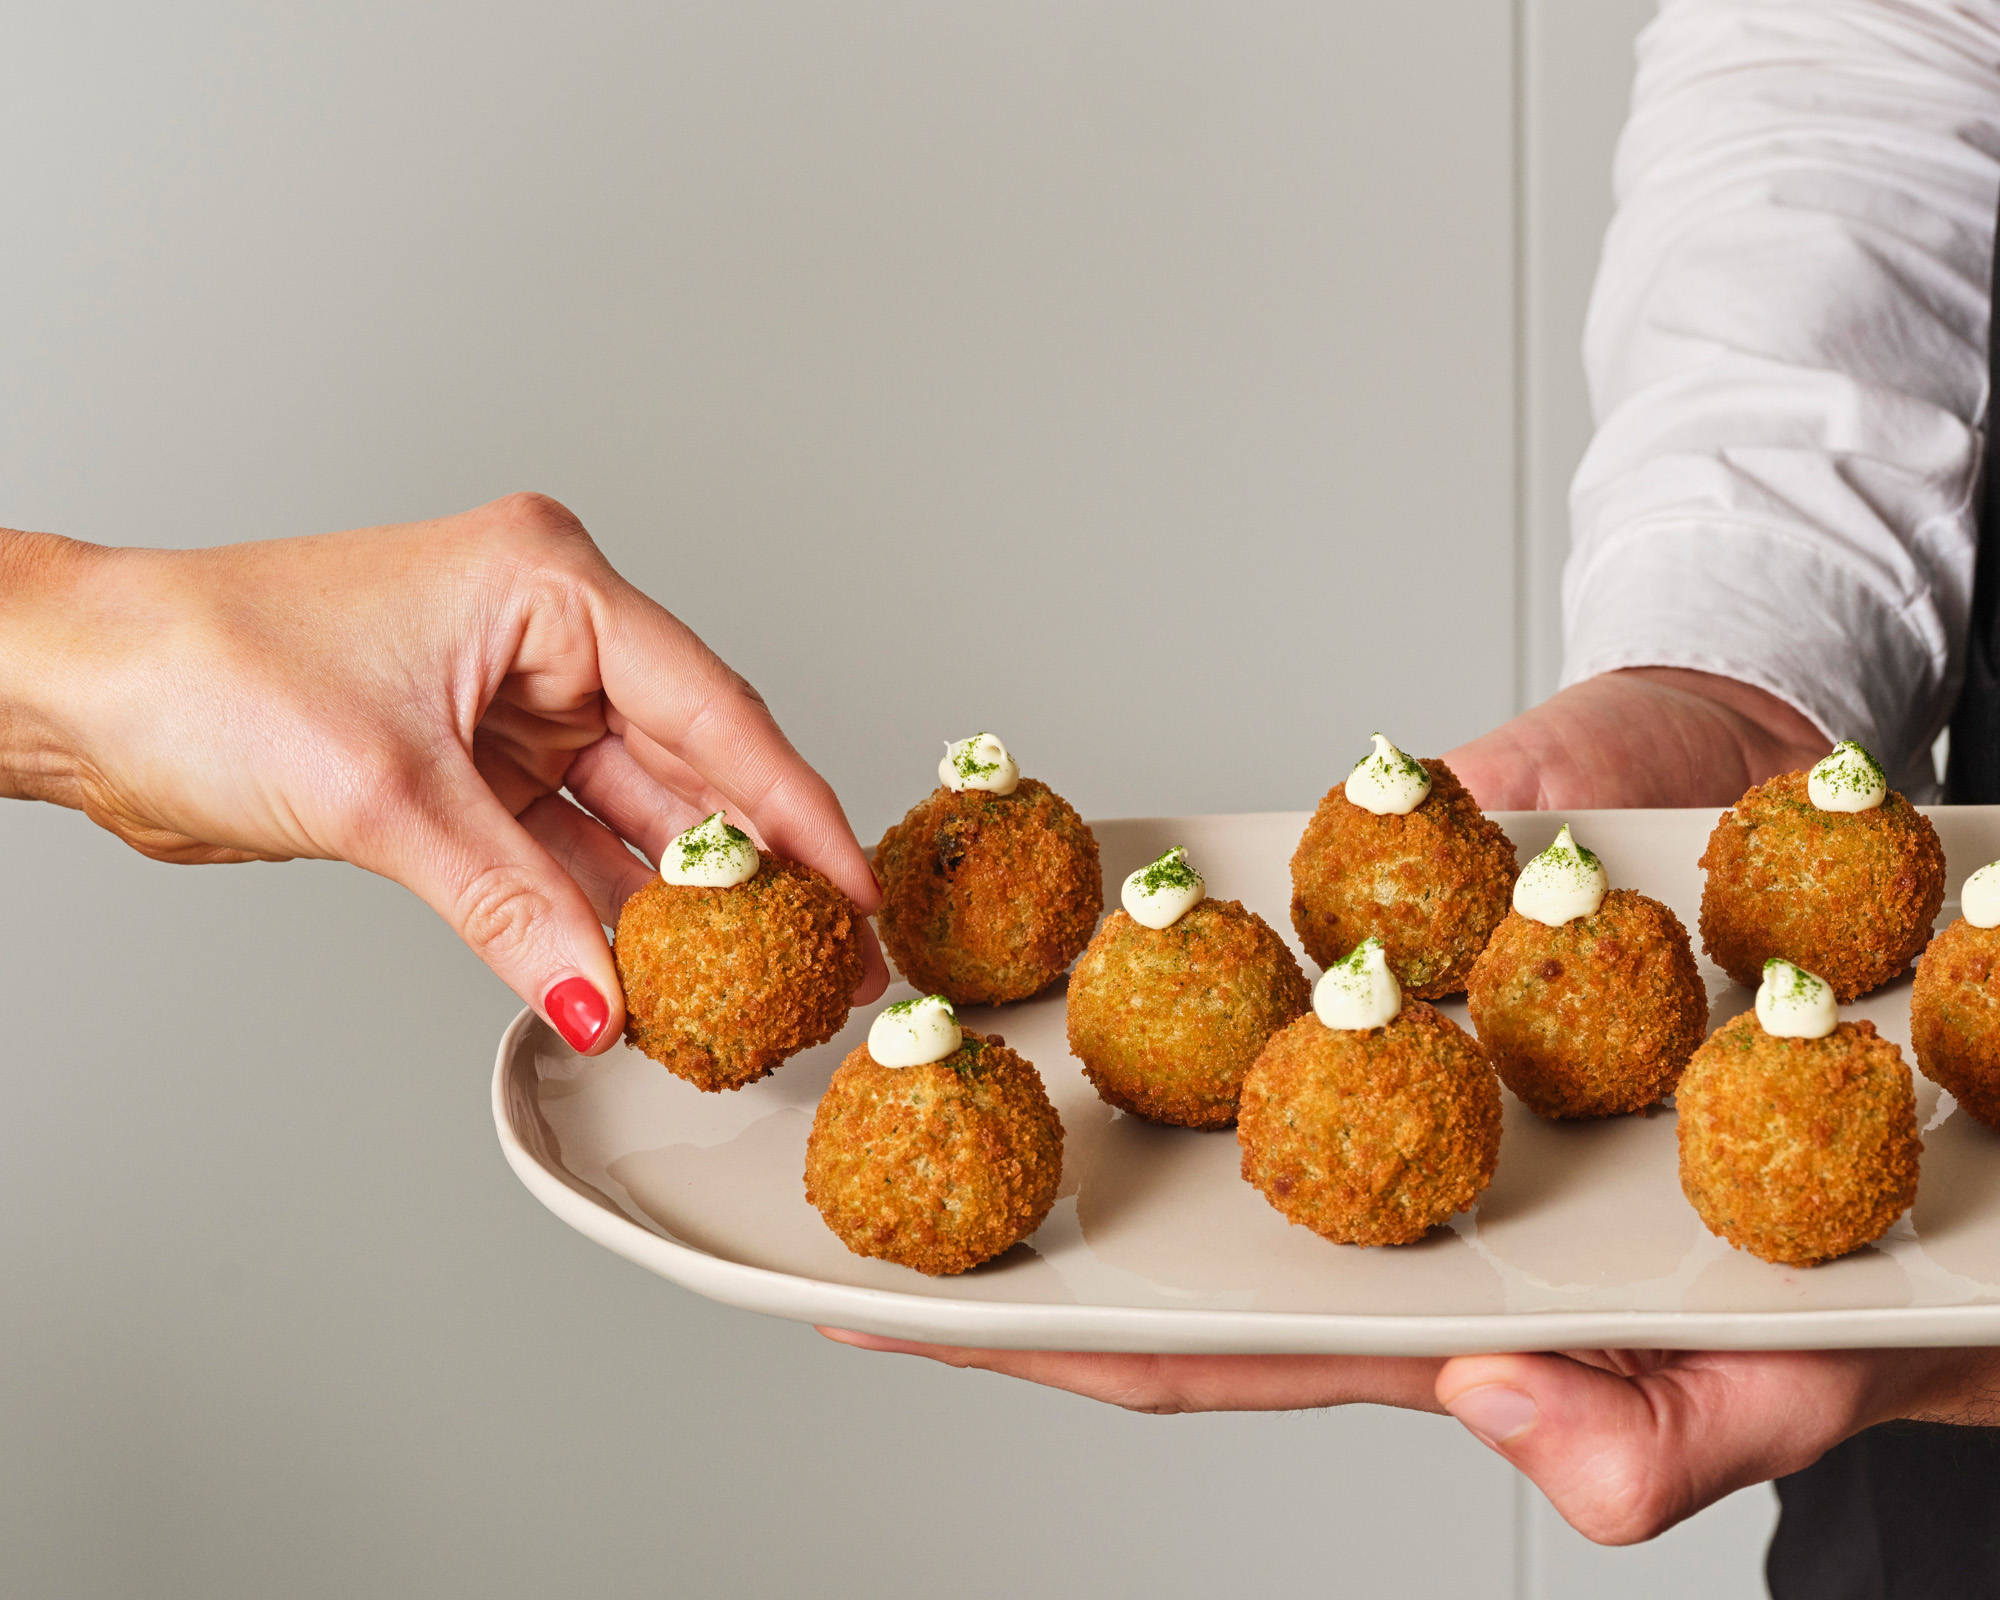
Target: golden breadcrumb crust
x=1371, y=1137
x=723, y=984
x=1167, y=1020
x=1848, y=895
x=1432, y=885
x=1592, y=1018
x=1798, y=1150
x=938, y=1167
x=988, y=897
x=1955, y=1017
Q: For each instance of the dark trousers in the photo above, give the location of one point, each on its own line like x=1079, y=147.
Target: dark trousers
x=1906, y=1511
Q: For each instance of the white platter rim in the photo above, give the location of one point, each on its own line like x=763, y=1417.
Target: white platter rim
x=1052, y=1325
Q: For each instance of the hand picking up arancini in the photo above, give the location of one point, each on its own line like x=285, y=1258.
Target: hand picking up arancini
x=1175, y=996
x=933, y=1147
x=1402, y=853
x=1587, y=998
x=1369, y=1120
x=1829, y=868
x=731, y=960
x=991, y=885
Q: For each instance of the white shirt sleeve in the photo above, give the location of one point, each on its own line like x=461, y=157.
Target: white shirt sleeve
x=1787, y=359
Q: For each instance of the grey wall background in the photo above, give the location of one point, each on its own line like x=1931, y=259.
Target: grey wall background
x=1266, y=312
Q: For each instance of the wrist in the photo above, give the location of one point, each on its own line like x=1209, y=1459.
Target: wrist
x=1646, y=736
x=1953, y=1386
x=50, y=636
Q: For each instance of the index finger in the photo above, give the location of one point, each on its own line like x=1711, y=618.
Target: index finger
x=685, y=699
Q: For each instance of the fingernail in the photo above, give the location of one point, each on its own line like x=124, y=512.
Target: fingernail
x=578, y=1011
x=1496, y=1412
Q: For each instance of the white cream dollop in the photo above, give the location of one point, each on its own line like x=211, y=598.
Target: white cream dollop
x=1848, y=780
x=980, y=762
x=1979, y=900
x=1159, y=895
x=710, y=855
x=1793, y=1003
x=1562, y=883
x=1387, y=781
x=914, y=1033
x=1358, y=991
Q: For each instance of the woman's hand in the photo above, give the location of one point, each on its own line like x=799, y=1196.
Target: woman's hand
x=412, y=699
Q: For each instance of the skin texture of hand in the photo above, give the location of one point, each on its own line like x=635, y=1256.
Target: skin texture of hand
x=1650, y=736
x=412, y=699
x=1624, y=1443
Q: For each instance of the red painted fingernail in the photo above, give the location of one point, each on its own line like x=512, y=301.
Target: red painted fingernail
x=578, y=1011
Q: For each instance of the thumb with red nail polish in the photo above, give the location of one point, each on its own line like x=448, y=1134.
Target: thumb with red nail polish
x=578, y=1012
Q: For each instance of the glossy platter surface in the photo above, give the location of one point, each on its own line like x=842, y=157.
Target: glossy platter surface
x=1583, y=1240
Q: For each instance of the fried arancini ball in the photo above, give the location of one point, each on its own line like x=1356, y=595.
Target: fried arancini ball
x=1955, y=1017
x=1798, y=1150
x=1431, y=885
x=988, y=897
x=1375, y=1136
x=1167, y=1020
x=1594, y=1017
x=723, y=984
x=938, y=1167
x=1849, y=895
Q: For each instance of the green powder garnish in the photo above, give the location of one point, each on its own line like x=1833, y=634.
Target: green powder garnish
x=711, y=836
x=1568, y=855
x=965, y=761
x=1851, y=770
x=1171, y=871
x=1356, y=960
x=1791, y=982
x=903, y=1008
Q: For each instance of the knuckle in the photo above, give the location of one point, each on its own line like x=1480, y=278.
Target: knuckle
x=538, y=515
x=500, y=911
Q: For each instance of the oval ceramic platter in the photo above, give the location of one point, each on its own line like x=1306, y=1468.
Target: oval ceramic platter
x=1156, y=1244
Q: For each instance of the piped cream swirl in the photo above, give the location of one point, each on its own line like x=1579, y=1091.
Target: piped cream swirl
x=1850, y=779
x=1561, y=884
x=710, y=855
x=1979, y=900
x=980, y=762
x=914, y=1033
x=1388, y=782
x=1358, y=991
x=1160, y=894
x=1793, y=1003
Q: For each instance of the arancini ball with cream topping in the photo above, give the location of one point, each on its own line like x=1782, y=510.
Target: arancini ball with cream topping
x=1401, y=852
x=1375, y=1128
x=1798, y=1132
x=991, y=885
x=1587, y=998
x=1955, y=1003
x=741, y=961
x=938, y=1164
x=1830, y=868
x=1176, y=995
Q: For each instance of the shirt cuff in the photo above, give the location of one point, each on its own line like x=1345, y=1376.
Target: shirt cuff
x=1785, y=619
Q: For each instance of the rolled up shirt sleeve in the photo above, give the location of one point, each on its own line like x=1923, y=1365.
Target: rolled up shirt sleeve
x=1787, y=358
